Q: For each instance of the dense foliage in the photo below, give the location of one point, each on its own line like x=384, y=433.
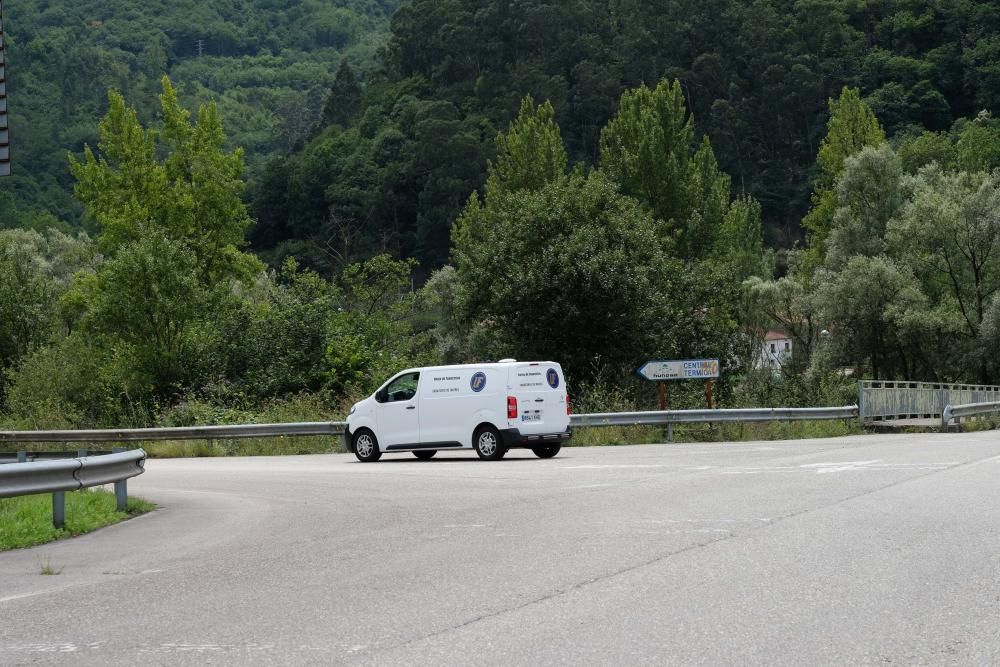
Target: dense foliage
x=295, y=214
x=268, y=65
x=756, y=75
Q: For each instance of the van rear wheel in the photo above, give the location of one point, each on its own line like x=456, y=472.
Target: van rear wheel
x=366, y=446
x=425, y=454
x=488, y=444
x=546, y=451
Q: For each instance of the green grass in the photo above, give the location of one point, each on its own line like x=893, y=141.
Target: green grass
x=169, y=449
x=27, y=520
x=981, y=423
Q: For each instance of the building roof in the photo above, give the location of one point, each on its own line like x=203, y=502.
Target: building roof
x=775, y=334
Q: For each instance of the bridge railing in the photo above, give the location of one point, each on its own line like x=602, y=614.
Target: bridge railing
x=889, y=399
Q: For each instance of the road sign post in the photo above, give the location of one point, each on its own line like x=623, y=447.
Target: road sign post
x=683, y=369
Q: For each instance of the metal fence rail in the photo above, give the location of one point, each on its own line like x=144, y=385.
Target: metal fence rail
x=337, y=428
x=882, y=399
x=59, y=476
x=714, y=416
x=967, y=410
x=177, y=433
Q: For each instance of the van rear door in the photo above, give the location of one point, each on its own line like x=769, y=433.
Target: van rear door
x=540, y=390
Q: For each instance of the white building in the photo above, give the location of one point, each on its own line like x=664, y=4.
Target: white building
x=776, y=350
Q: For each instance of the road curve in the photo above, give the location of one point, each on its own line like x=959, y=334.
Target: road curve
x=841, y=551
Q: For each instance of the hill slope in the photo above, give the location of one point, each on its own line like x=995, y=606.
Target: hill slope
x=269, y=64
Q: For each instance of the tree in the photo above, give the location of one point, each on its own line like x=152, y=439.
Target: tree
x=851, y=127
x=949, y=232
x=863, y=306
x=739, y=243
x=343, y=103
x=27, y=299
x=869, y=192
x=570, y=271
x=177, y=181
x=788, y=304
x=372, y=337
x=146, y=301
x=272, y=341
x=530, y=154
x=648, y=149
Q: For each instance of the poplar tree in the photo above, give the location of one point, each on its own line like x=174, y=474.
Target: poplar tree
x=176, y=180
x=852, y=126
x=648, y=148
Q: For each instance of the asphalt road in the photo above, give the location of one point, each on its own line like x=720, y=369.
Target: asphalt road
x=867, y=550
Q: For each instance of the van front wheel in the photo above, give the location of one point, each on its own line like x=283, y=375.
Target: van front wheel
x=546, y=451
x=488, y=444
x=366, y=446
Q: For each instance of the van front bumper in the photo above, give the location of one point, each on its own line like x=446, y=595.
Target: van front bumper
x=513, y=437
x=348, y=445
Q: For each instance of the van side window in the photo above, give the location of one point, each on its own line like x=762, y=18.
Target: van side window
x=402, y=388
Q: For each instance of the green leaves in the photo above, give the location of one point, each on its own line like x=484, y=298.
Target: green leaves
x=177, y=181
x=647, y=149
x=567, y=271
x=851, y=127
x=530, y=153
x=372, y=336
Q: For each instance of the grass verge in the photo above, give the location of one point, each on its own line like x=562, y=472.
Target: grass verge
x=27, y=520
x=171, y=449
x=642, y=435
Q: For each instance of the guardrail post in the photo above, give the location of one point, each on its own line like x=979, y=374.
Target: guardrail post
x=80, y=453
x=22, y=456
x=121, y=487
x=59, y=509
x=670, y=432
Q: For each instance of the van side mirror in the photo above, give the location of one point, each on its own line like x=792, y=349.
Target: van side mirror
x=380, y=396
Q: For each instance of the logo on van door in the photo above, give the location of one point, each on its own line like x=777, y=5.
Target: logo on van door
x=553, y=378
x=478, y=382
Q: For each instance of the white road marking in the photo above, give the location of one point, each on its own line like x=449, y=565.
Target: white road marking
x=32, y=594
x=620, y=466
x=994, y=459
x=181, y=647
x=844, y=466
x=708, y=520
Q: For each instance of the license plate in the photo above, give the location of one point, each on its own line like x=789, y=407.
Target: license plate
x=531, y=418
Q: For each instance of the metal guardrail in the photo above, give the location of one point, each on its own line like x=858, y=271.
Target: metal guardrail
x=26, y=457
x=177, y=433
x=967, y=410
x=337, y=428
x=671, y=417
x=713, y=416
x=59, y=476
x=887, y=399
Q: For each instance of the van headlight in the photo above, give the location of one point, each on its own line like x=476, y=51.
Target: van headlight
x=353, y=408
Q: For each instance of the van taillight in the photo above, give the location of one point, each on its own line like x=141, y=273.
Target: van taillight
x=569, y=410
x=511, y=407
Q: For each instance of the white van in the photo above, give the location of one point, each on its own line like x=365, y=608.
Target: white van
x=488, y=407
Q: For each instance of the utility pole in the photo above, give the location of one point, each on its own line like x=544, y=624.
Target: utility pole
x=4, y=132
